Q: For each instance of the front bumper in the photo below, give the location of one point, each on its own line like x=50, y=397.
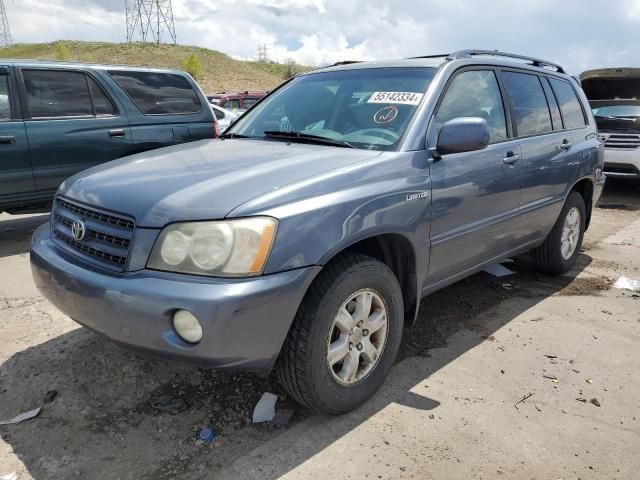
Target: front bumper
x=622, y=163
x=244, y=321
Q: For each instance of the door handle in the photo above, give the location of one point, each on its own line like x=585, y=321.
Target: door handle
x=511, y=158
x=117, y=132
x=7, y=139
x=566, y=144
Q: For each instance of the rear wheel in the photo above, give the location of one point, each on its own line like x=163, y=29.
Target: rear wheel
x=345, y=337
x=559, y=251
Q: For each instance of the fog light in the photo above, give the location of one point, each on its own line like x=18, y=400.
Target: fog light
x=187, y=326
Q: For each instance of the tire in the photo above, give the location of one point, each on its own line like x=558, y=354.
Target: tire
x=303, y=367
x=549, y=257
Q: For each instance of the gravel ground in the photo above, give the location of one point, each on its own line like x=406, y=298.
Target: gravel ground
x=105, y=422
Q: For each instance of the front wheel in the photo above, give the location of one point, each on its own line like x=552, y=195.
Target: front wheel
x=345, y=337
x=559, y=251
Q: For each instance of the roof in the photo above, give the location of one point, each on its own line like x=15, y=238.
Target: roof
x=97, y=66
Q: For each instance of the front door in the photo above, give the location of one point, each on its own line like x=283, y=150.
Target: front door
x=72, y=124
x=475, y=195
x=16, y=177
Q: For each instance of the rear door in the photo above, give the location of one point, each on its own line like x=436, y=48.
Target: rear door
x=475, y=195
x=166, y=108
x=16, y=177
x=547, y=147
x=72, y=124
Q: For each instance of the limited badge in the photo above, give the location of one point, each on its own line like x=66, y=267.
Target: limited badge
x=386, y=114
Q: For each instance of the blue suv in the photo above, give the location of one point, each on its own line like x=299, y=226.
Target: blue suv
x=57, y=119
x=305, y=238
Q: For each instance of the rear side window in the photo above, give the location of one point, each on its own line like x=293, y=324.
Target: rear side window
x=5, y=106
x=474, y=93
x=158, y=93
x=528, y=103
x=219, y=114
x=55, y=93
x=556, y=119
x=569, y=104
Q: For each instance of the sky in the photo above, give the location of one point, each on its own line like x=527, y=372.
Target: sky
x=579, y=34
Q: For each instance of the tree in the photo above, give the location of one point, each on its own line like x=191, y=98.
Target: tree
x=291, y=69
x=192, y=65
x=62, y=52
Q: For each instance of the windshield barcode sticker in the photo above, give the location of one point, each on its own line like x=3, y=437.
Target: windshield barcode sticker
x=402, y=98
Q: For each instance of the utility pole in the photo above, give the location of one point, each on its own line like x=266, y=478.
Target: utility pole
x=262, y=53
x=150, y=21
x=5, y=31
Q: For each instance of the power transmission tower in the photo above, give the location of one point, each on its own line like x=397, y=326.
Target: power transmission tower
x=5, y=31
x=262, y=53
x=150, y=21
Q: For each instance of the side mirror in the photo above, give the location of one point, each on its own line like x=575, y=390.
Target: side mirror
x=463, y=134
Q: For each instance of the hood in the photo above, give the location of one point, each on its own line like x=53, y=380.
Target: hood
x=202, y=180
x=611, y=83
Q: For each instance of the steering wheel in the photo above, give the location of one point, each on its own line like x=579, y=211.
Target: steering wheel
x=383, y=133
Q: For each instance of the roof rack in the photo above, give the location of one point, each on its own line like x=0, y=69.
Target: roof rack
x=536, y=62
x=345, y=62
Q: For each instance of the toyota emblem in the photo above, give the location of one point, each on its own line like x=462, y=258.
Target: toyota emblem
x=78, y=230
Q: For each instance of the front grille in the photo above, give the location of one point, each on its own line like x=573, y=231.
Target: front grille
x=622, y=141
x=107, y=235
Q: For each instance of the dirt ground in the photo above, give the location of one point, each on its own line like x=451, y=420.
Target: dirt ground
x=568, y=345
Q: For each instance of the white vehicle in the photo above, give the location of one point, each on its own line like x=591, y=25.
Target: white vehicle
x=223, y=116
x=614, y=95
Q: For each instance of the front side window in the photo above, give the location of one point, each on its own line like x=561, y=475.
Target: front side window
x=158, y=93
x=528, y=103
x=232, y=103
x=569, y=104
x=249, y=102
x=55, y=93
x=475, y=93
x=5, y=106
x=101, y=102
x=364, y=108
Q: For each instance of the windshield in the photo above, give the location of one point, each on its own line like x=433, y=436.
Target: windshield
x=366, y=108
x=616, y=110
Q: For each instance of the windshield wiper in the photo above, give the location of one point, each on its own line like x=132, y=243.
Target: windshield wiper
x=233, y=135
x=611, y=117
x=307, y=137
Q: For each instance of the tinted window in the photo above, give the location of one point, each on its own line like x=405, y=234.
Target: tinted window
x=572, y=113
x=5, y=108
x=232, y=103
x=528, y=103
x=556, y=119
x=52, y=93
x=158, y=93
x=249, y=102
x=475, y=93
x=101, y=103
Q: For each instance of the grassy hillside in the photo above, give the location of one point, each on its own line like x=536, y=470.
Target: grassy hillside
x=219, y=71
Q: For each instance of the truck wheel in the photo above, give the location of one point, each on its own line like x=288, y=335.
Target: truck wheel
x=559, y=251
x=345, y=337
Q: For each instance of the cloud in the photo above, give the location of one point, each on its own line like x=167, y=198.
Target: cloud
x=578, y=34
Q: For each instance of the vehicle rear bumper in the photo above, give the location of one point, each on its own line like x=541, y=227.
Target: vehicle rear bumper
x=244, y=321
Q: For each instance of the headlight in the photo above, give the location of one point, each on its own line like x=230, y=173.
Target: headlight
x=233, y=248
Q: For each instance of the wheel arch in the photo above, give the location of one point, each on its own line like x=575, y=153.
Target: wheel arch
x=585, y=188
x=398, y=253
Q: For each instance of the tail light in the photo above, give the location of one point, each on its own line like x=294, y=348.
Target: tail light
x=216, y=129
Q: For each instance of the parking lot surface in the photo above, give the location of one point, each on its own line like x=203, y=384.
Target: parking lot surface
x=525, y=376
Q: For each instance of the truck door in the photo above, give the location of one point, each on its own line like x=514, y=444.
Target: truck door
x=72, y=124
x=16, y=176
